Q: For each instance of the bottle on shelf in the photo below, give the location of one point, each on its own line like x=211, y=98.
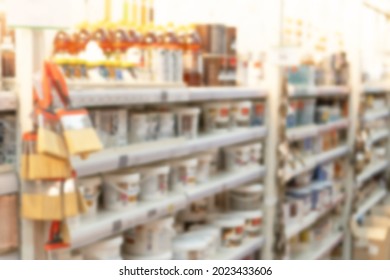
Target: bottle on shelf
x=174, y=54
x=61, y=52
x=192, y=57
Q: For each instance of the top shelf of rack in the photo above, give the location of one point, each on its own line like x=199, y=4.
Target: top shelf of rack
x=110, y=95
x=8, y=101
x=318, y=91
x=376, y=88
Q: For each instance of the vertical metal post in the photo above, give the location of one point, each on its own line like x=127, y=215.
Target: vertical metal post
x=273, y=82
x=354, y=7
x=29, y=56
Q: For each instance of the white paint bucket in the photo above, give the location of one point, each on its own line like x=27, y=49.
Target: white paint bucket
x=154, y=182
x=253, y=222
x=138, y=127
x=237, y=157
x=213, y=233
x=121, y=190
x=204, y=167
x=151, y=239
x=216, y=116
x=90, y=188
x=190, y=247
x=247, y=198
x=109, y=249
x=184, y=174
x=255, y=150
x=187, y=122
x=166, y=125
x=241, y=113
x=231, y=230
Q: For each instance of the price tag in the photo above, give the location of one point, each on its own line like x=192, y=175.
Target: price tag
x=123, y=161
x=164, y=96
x=152, y=213
x=117, y=226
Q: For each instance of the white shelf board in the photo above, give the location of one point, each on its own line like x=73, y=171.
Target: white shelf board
x=318, y=91
x=296, y=227
x=370, y=202
x=318, y=250
x=11, y=256
x=373, y=115
x=250, y=245
x=111, y=95
x=108, y=223
x=378, y=135
x=313, y=161
x=8, y=101
x=8, y=183
x=219, y=93
x=378, y=88
x=225, y=182
x=117, y=158
x=370, y=171
x=313, y=130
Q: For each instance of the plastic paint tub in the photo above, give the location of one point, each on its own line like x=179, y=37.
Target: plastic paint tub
x=152, y=123
x=216, y=116
x=151, y=239
x=109, y=249
x=187, y=122
x=255, y=153
x=241, y=113
x=165, y=256
x=253, y=222
x=232, y=230
x=258, y=114
x=196, y=212
x=212, y=232
x=189, y=247
x=210, y=250
x=166, y=125
x=90, y=188
x=236, y=157
x=247, y=198
x=121, y=190
x=184, y=173
x=138, y=127
x=154, y=182
x=204, y=167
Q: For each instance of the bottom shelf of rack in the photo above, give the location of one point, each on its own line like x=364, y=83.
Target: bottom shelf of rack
x=14, y=255
x=249, y=246
x=318, y=250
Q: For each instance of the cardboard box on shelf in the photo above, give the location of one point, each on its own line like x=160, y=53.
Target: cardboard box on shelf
x=376, y=234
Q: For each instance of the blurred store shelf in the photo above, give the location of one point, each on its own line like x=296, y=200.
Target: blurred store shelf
x=378, y=136
x=8, y=101
x=315, y=160
x=370, y=202
x=117, y=158
x=318, y=91
x=249, y=246
x=376, y=114
x=102, y=95
x=370, y=171
x=108, y=223
x=313, y=130
x=8, y=181
x=319, y=249
x=297, y=226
